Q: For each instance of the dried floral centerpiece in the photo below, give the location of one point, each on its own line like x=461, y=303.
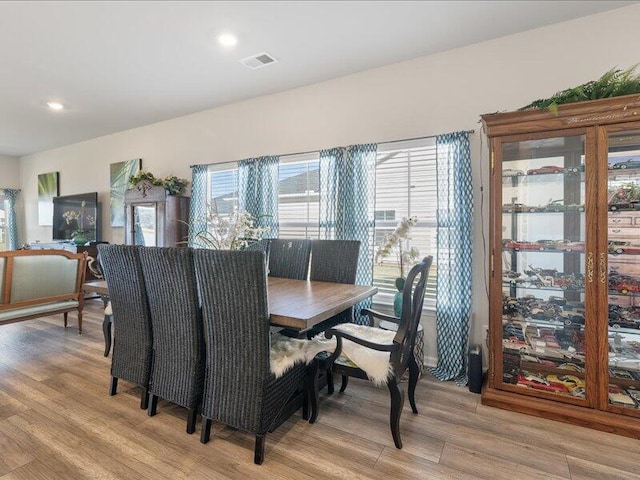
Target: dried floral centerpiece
x=398, y=242
x=234, y=231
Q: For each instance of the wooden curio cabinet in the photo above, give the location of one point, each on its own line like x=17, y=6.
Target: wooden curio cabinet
x=564, y=336
x=154, y=218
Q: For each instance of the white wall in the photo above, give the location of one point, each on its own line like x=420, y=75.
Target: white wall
x=9, y=172
x=425, y=96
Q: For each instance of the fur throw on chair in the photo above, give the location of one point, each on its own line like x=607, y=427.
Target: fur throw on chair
x=286, y=351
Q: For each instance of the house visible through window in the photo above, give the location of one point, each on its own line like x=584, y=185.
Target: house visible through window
x=405, y=186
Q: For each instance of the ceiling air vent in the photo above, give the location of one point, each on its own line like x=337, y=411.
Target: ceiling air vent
x=258, y=60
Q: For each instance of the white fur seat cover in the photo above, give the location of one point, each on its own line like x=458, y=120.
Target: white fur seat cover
x=286, y=352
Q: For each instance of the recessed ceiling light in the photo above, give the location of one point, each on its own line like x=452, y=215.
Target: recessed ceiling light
x=227, y=40
x=55, y=106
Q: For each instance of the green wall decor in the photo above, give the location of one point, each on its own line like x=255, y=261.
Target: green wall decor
x=120, y=174
x=48, y=187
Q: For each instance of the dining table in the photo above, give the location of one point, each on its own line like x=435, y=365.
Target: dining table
x=293, y=304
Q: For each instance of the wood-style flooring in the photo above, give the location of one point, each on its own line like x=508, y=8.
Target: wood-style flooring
x=57, y=422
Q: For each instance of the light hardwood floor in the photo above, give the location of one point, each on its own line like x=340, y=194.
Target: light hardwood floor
x=58, y=423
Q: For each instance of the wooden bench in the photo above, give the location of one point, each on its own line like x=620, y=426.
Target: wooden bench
x=38, y=283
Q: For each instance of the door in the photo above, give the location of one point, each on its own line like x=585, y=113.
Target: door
x=621, y=284
x=543, y=260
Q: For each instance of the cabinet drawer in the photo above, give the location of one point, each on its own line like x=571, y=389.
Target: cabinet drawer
x=626, y=233
x=620, y=219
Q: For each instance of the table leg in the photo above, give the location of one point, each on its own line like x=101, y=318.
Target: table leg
x=106, y=329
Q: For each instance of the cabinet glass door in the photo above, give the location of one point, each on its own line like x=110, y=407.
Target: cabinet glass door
x=623, y=240
x=144, y=225
x=543, y=267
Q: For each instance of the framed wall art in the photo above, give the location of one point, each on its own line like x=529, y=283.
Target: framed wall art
x=48, y=187
x=120, y=174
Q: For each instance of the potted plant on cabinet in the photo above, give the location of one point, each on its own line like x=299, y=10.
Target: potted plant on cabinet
x=398, y=242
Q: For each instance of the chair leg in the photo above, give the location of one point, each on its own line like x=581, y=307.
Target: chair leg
x=397, y=402
x=205, y=434
x=65, y=315
x=106, y=330
x=153, y=404
x=144, y=398
x=113, y=388
x=312, y=390
x=258, y=456
x=79, y=323
x=413, y=381
x=329, y=382
x=191, y=420
x=345, y=382
x=305, y=402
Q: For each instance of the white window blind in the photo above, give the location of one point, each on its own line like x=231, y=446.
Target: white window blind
x=222, y=188
x=405, y=186
x=299, y=196
x=4, y=235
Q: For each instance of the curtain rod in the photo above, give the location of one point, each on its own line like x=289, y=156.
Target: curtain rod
x=315, y=151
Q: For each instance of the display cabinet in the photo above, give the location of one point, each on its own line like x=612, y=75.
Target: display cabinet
x=154, y=218
x=564, y=335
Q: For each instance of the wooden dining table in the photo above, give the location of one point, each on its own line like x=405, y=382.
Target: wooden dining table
x=293, y=304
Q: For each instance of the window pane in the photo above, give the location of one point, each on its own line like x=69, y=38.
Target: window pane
x=3, y=224
x=223, y=189
x=298, y=197
x=405, y=187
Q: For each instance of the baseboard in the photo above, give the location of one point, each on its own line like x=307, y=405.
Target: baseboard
x=430, y=362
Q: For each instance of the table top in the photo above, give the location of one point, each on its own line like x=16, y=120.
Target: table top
x=298, y=304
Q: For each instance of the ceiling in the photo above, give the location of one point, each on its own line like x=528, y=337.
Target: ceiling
x=117, y=65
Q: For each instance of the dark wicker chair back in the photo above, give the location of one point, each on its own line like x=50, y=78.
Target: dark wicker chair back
x=334, y=261
x=177, y=373
x=131, y=358
x=289, y=258
x=261, y=245
x=240, y=389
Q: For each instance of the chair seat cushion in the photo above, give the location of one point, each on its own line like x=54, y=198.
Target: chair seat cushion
x=38, y=309
x=374, y=363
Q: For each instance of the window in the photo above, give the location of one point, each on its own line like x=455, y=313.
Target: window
x=4, y=234
x=222, y=188
x=299, y=196
x=405, y=187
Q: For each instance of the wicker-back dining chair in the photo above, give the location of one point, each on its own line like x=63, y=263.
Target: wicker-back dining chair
x=178, y=346
x=289, y=258
x=334, y=261
x=131, y=358
x=240, y=389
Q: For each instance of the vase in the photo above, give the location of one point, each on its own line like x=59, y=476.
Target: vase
x=397, y=298
x=397, y=304
x=79, y=239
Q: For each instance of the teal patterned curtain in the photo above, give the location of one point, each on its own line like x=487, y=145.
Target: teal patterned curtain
x=11, y=196
x=258, y=191
x=198, y=203
x=347, y=193
x=455, y=219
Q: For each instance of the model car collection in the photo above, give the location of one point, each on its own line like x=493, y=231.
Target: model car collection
x=631, y=163
x=542, y=245
x=546, y=169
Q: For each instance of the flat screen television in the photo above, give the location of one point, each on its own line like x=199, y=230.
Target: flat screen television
x=75, y=213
